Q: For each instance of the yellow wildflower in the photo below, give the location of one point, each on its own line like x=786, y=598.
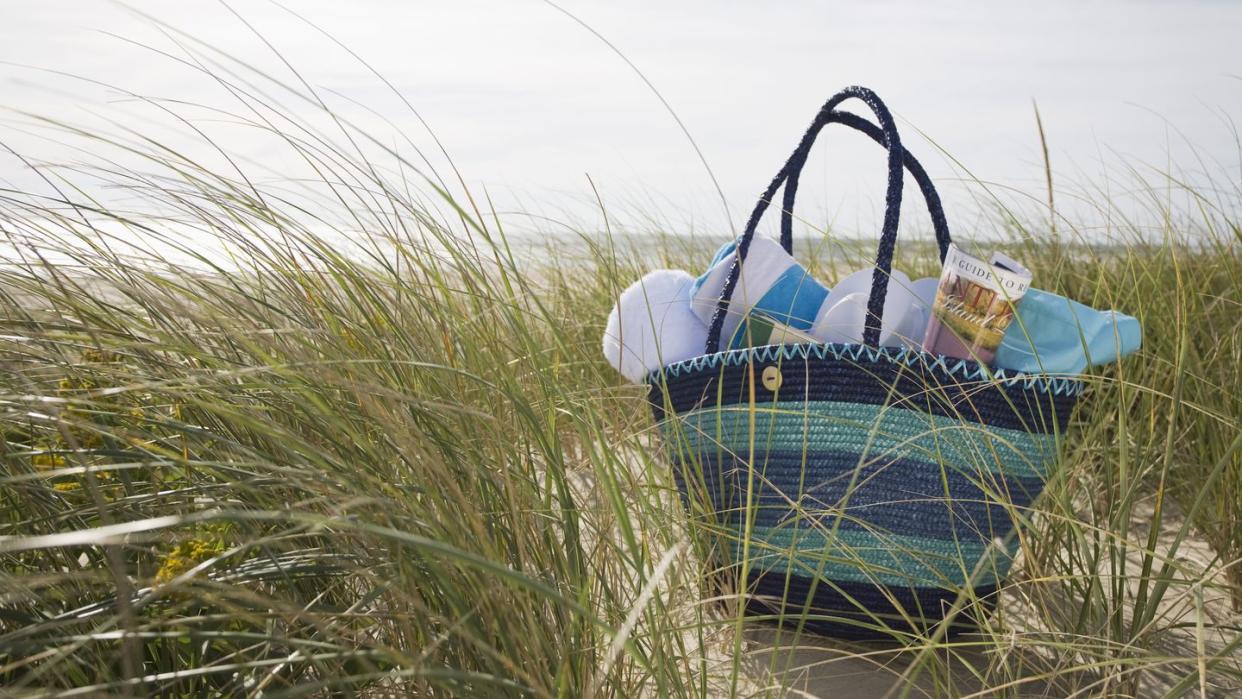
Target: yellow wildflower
x=98, y=356
x=46, y=461
x=73, y=384
x=185, y=556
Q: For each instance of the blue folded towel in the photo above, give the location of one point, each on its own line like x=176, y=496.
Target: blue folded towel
x=771, y=282
x=1054, y=335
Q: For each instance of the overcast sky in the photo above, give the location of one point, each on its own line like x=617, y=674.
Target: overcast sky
x=529, y=103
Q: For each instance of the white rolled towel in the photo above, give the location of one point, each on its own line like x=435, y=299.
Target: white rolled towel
x=652, y=325
x=907, y=306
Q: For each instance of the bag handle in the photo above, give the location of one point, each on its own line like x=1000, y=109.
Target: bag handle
x=897, y=157
x=930, y=196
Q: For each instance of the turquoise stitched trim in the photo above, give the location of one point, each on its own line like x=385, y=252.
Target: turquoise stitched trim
x=895, y=561
x=960, y=368
x=876, y=433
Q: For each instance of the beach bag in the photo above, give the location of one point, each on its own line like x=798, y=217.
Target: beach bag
x=854, y=490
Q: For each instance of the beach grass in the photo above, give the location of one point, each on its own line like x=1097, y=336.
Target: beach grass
x=398, y=464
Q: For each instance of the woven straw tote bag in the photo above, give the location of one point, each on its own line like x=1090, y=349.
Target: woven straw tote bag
x=858, y=491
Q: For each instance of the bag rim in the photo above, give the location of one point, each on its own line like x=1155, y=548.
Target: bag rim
x=964, y=369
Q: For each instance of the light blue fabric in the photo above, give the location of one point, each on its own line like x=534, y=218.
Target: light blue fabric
x=793, y=299
x=724, y=251
x=1054, y=335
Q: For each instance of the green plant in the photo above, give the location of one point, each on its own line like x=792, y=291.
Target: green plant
x=396, y=462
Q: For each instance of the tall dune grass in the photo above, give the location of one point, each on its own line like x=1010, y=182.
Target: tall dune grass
x=397, y=464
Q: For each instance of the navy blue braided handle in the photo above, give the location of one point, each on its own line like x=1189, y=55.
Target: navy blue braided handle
x=930, y=196
x=886, y=135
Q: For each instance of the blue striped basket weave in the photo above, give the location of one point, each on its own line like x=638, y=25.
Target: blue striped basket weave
x=859, y=491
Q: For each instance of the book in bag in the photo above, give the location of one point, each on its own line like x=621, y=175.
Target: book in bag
x=974, y=305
